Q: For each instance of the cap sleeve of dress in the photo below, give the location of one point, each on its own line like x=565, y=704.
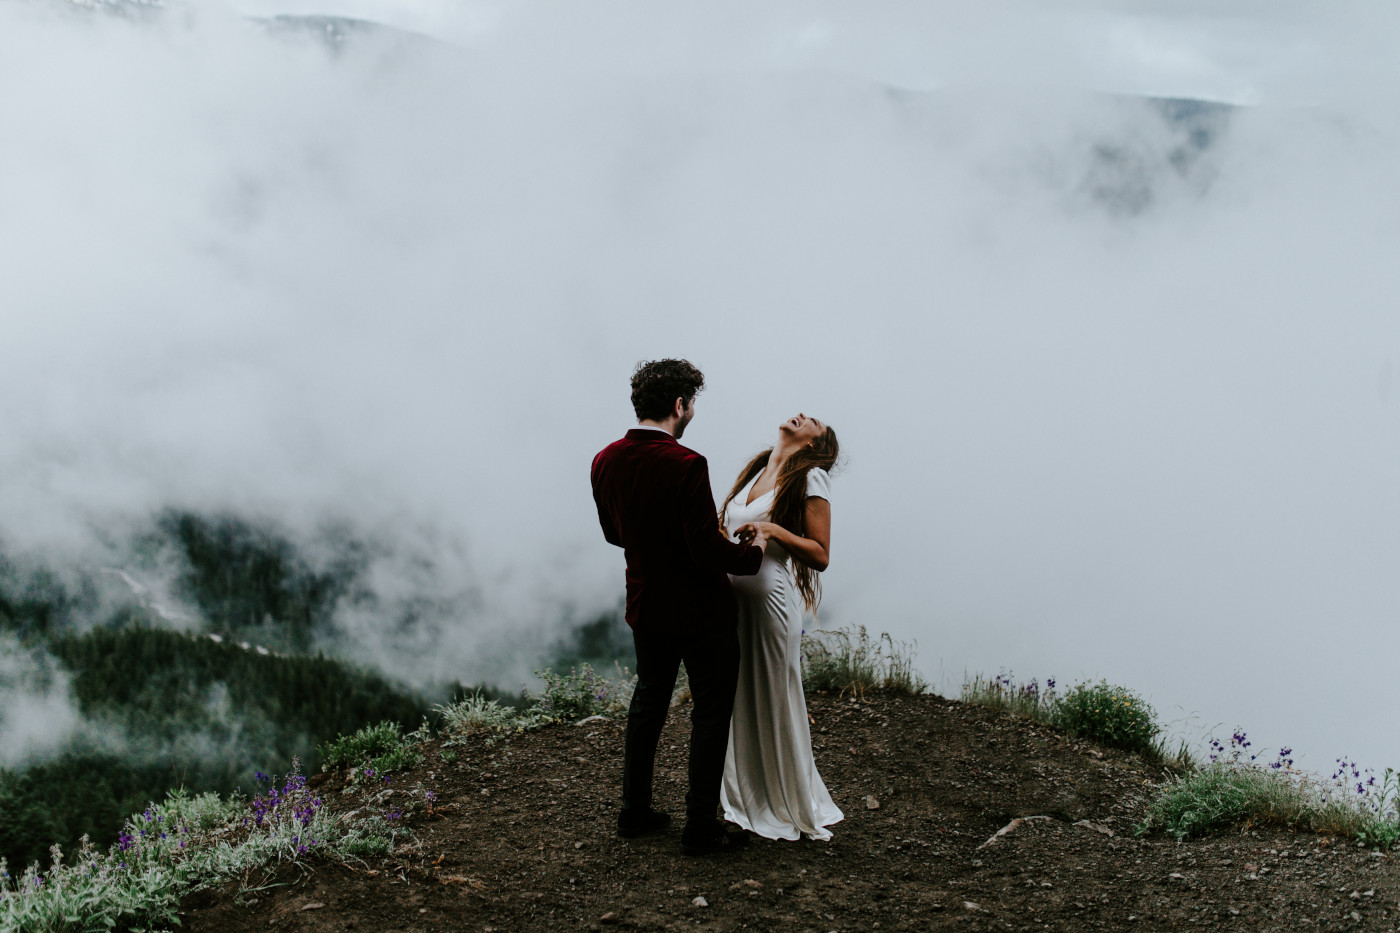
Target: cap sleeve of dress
x=818, y=484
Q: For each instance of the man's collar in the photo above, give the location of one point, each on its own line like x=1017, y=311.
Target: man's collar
x=645, y=432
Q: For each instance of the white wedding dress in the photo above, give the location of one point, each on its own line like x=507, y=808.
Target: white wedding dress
x=771, y=785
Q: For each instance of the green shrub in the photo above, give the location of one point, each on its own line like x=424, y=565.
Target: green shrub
x=1109, y=715
x=375, y=750
x=581, y=693
x=850, y=661
x=477, y=714
x=1221, y=796
x=1216, y=798
x=1234, y=789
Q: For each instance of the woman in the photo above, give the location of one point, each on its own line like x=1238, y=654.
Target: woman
x=771, y=784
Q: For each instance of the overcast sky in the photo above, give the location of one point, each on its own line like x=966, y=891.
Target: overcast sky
x=1119, y=399
x=1268, y=50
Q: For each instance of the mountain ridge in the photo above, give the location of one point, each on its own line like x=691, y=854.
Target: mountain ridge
x=957, y=817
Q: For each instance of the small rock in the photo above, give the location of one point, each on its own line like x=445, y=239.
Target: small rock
x=1251, y=867
x=314, y=905
x=1096, y=827
x=578, y=845
x=1010, y=827
x=871, y=802
x=700, y=902
x=1177, y=875
x=1355, y=915
x=746, y=883
x=590, y=720
x=971, y=905
x=609, y=917
x=485, y=792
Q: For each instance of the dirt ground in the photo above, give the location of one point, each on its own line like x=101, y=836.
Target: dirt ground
x=525, y=840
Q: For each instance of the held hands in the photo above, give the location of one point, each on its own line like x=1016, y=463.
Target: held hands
x=754, y=533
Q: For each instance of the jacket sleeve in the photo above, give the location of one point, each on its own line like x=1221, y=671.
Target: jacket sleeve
x=605, y=518
x=708, y=547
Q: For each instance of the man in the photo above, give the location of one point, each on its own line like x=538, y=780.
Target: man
x=654, y=501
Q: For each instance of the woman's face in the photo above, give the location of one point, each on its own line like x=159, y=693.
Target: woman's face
x=801, y=430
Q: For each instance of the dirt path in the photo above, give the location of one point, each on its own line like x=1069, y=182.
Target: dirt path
x=526, y=842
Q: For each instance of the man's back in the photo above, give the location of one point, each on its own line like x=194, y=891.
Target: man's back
x=654, y=501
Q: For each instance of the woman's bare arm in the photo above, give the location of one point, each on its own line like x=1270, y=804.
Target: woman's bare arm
x=815, y=549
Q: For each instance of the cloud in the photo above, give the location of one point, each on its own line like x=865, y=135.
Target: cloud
x=1109, y=376
x=37, y=714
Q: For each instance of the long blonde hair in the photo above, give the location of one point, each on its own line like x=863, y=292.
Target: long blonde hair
x=790, y=500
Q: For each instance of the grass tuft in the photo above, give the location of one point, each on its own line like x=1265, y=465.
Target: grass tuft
x=581, y=693
x=475, y=714
x=375, y=750
x=1100, y=712
x=570, y=697
x=850, y=661
x=1003, y=693
x=1234, y=789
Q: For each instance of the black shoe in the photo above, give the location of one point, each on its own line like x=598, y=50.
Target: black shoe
x=711, y=838
x=646, y=821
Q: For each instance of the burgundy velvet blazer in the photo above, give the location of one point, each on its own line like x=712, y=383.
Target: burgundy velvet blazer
x=654, y=502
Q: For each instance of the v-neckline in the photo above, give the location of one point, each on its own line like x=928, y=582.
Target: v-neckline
x=750, y=500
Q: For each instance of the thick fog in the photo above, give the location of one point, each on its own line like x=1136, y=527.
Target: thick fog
x=1115, y=379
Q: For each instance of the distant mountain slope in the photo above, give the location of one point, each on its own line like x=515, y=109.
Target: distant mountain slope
x=163, y=710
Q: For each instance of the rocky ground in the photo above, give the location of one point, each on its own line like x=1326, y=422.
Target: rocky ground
x=523, y=840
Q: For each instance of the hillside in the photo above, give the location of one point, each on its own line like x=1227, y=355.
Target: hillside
x=521, y=839
x=172, y=710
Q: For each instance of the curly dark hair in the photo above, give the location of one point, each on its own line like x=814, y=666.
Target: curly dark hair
x=657, y=384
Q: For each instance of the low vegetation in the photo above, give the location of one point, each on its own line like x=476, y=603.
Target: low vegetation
x=190, y=843
x=1231, y=789
x=850, y=661
x=1100, y=712
x=187, y=844
x=376, y=750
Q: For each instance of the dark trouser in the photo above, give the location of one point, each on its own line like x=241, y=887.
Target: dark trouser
x=712, y=663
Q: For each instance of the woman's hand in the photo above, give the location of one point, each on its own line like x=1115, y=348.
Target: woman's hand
x=755, y=533
x=814, y=550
